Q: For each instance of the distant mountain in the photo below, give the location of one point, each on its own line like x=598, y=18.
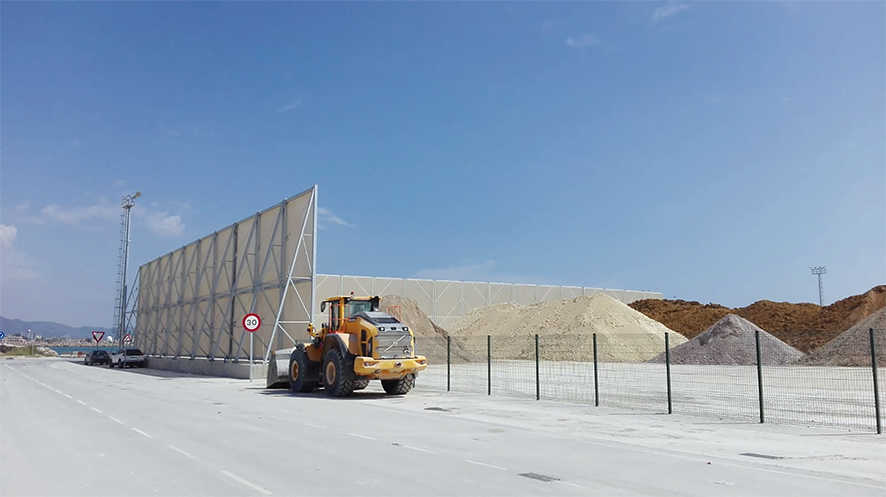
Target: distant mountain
x=47, y=329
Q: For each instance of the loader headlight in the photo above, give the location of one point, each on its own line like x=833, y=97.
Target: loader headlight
x=381, y=328
x=405, y=328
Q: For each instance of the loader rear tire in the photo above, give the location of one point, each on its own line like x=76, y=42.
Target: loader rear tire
x=399, y=387
x=338, y=379
x=299, y=372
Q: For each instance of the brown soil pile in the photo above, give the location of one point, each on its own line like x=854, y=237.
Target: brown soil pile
x=804, y=326
x=732, y=341
x=430, y=339
x=853, y=346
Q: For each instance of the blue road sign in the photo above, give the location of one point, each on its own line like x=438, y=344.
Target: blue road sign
x=2, y=335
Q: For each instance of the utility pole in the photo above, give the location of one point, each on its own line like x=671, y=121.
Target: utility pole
x=818, y=271
x=127, y=203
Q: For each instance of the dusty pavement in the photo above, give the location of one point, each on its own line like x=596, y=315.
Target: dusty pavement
x=69, y=429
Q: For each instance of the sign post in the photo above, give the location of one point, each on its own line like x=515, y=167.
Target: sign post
x=251, y=323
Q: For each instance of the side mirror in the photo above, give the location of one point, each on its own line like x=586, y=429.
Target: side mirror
x=322, y=306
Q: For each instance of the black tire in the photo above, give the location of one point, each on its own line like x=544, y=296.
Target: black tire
x=399, y=387
x=110, y=364
x=300, y=372
x=338, y=379
x=361, y=382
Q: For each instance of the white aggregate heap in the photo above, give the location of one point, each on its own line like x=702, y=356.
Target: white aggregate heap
x=565, y=328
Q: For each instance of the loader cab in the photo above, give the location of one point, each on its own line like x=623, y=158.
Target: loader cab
x=341, y=308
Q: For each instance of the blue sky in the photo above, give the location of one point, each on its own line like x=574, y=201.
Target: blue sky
x=710, y=151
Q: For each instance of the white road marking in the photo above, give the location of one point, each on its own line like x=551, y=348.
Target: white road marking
x=244, y=482
x=478, y=463
x=68, y=396
x=141, y=433
x=182, y=452
x=112, y=418
x=312, y=425
x=96, y=410
x=81, y=402
x=571, y=484
x=361, y=436
x=411, y=447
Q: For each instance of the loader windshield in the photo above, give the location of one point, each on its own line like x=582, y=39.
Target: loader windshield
x=357, y=306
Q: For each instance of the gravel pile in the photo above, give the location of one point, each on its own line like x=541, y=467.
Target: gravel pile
x=853, y=346
x=430, y=339
x=730, y=341
x=565, y=328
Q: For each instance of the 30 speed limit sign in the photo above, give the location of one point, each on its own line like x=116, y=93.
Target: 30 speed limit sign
x=251, y=322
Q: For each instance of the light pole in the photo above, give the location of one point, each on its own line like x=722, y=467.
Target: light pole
x=127, y=204
x=818, y=271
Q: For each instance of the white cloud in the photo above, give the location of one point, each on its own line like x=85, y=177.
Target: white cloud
x=290, y=106
x=327, y=216
x=582, y=41
x=669, y=10
x=162, y=223
x=15, y=266
x=7, y=235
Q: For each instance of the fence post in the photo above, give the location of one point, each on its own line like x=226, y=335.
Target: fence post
x=668, y=370
x=876, y=385
x=448, y=361
x=488, y=364
x=596, y=389
x=537, y=387
x=759, y=373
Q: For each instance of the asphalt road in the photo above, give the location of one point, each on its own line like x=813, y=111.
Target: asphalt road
x=69, y=429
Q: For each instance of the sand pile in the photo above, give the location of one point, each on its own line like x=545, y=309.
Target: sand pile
x=804, y=326
x=566, y=327
x=852, y=347
x=430, y=339
x=731, y=341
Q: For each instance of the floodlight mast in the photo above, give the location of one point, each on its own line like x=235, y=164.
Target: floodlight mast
x=127, y=203
x=818, y=271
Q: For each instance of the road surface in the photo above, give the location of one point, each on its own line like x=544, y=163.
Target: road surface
x=70, y=429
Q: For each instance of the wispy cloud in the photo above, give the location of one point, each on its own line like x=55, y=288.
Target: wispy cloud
x=78, y=215
x=290, y=106
x=326, y=216
x=158, y=221
x=669, y=10
x=162, y=223
x=584, y=40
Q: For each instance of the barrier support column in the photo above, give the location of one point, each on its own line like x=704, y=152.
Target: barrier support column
x=488, y=364
x=537, y=387
x=448, y=362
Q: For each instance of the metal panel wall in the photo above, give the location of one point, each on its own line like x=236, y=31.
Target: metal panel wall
x=445, y=302
x=192, y=300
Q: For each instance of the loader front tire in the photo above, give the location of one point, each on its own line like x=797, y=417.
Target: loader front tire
x=361, y=382
x=299, y=372
x=399, y=387
x=338, y=379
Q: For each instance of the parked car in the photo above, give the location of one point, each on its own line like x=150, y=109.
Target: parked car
x=97, y=357
x=127, y=358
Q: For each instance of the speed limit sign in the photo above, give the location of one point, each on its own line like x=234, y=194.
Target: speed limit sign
x=251, y=322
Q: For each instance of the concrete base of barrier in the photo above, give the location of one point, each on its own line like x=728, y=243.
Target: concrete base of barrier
x=205, y=367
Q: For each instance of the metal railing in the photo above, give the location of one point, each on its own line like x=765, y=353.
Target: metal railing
x=623, y=371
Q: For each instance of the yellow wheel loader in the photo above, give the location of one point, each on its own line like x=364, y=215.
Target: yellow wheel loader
x=356, y=344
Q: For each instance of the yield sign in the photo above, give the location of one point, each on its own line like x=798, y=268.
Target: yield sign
x=98, y=335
